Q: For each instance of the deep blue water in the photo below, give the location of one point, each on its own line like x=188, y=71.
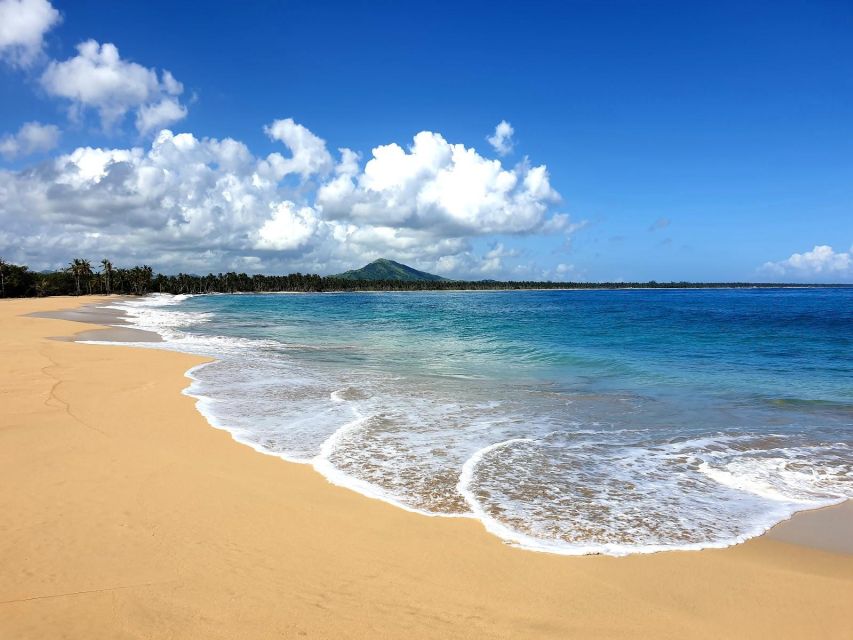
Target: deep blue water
x=569, y=421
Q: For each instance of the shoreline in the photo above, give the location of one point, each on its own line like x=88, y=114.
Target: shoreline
x=831, y=530
x=112, y=323
x=129, y=516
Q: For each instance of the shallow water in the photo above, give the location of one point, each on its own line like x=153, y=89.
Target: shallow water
x=567, y=421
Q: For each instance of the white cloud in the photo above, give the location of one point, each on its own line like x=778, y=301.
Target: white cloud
x=290, y=227
x=32, y=137
x=349, y=162
x=562, y=223
x=501, y=140
x=820, y=262
x=23, y=24
x=98, y=78
x=184, y=203
x=191, y=204
x=493, y=260
x=308, y=152
x=154, y=117
x=444, y=187
x=171, y=86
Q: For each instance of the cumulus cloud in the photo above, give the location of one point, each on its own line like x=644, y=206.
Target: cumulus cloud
x=443, y=187
x=153, y=117
x=501, y=139
x=289, y=228
x=308, y=152
x=98, y=78
x=182, y=202
x=185, y=203
x=32, y=137
x=820, y=262
x=23, y=25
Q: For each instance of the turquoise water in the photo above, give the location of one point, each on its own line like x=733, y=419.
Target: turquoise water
x=567, y=421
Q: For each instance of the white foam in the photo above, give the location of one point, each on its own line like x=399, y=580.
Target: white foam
x=782, y=511
x=795, y=477
x=335, y=476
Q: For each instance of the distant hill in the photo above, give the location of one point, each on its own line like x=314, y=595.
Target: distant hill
x=383, y=269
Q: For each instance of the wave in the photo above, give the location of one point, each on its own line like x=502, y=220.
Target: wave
x=568, y=487
x=631, y=519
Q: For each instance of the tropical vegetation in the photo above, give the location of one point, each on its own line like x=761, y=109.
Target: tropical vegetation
x=79, y=278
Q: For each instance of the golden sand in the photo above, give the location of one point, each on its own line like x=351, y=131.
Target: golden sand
x=123, y=514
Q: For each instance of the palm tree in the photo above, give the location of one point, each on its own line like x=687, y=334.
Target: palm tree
x=2, y=277
x=140, y=279
x=87, y=273
x=80, y=268
x=74, y=270
x=107, y=274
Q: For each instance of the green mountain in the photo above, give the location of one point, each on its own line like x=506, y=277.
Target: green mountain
x=383, y=269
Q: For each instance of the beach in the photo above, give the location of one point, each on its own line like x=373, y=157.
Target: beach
x=126, y=515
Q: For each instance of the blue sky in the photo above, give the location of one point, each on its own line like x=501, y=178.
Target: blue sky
x=699, y=141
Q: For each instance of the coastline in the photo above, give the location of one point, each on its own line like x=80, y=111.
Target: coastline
x=129, y=516
x=827, y=527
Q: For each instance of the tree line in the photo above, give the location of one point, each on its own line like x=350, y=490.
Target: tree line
x=81, y=278
x=78, y=278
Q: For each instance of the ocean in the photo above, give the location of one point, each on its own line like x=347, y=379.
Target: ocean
x=573, y=422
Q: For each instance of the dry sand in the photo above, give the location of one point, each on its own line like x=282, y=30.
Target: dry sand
x=123, y=514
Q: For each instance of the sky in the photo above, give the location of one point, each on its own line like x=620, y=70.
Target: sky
x=587, y=140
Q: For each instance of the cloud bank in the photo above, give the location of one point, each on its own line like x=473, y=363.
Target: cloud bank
x=197, y=204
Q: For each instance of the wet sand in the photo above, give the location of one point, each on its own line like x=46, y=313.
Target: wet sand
x=830, y=529
x=115, y=327
x=125, y=515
